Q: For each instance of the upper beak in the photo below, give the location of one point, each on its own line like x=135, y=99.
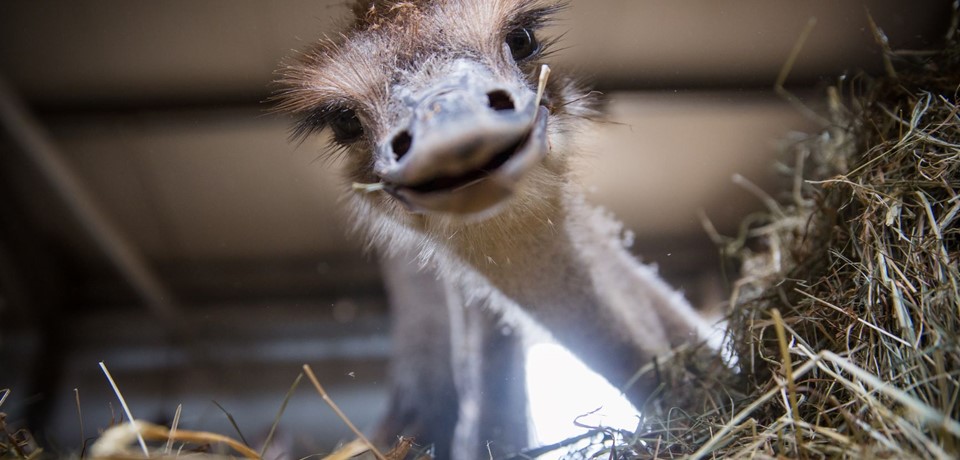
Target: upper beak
x=466, y=143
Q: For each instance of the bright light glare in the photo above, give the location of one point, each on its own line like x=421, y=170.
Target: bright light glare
x=561, y=388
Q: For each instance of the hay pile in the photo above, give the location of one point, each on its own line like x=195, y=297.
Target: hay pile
x=847, y=318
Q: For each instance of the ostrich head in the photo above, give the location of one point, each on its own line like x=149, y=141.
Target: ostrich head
x=433, y=105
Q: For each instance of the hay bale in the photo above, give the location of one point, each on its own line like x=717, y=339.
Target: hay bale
x=846, y=320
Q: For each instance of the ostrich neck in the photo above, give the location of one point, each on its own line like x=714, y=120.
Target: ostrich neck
x=572, y=274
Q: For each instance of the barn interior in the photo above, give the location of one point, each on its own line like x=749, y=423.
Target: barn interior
x=156, y=217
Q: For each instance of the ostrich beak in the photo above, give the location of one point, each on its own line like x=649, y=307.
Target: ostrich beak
x=467, y=144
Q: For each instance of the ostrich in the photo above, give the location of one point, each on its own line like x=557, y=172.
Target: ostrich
x=458, y=145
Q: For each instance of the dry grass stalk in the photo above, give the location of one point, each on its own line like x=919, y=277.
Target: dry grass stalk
x=126, y=408
x=115, y=442
x=326, y=398
x=15, y=443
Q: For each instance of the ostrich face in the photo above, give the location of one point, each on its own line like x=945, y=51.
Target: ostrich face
x=435, y=103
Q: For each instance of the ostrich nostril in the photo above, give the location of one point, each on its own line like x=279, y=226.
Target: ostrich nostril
x=401, y=144
x=499, y=100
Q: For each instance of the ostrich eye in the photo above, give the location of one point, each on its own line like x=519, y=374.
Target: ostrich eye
x=523, y=43
x=346, y=126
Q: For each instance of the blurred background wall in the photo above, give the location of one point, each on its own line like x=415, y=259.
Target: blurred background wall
x=209, y=259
